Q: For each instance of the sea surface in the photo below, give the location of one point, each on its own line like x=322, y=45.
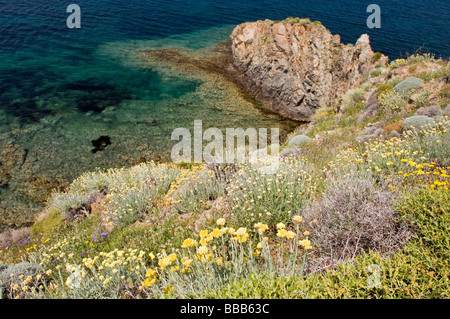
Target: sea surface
x=62, y=88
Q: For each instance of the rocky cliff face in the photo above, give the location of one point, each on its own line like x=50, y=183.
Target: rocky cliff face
x=296, y=68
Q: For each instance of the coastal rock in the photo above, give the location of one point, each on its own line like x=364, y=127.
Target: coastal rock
x=296, y=68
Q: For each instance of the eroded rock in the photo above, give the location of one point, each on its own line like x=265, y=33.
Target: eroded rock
x=296, y=68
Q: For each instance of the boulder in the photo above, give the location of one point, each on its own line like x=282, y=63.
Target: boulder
x=447, y=110
x=431, y=111
x=371, y=108
x=393, y=134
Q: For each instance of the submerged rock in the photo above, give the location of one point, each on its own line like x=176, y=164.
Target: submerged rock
x=100, y=143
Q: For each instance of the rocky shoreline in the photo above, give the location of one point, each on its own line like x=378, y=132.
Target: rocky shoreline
x=291, y=68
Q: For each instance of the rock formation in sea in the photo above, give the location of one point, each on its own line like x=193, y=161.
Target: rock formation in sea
x=296, y=66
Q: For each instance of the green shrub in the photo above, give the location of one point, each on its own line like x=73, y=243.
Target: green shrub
x=432, y=140
x=257, y=286
x=412, y=68
x=195, y=188
x=375, y=73
x=376, y=57
x=391, y=101
x=407, y=85
x=353, y=96
x=423, y=99
x=420, y=270
x=421, y=58
x=426, y=77
x=270, y=198
x=417, y=122
x=397, y=63
x=50, y=224
x=384, y=89
x=299, y=140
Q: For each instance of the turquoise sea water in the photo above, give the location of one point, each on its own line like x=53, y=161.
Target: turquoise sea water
x=62, y=88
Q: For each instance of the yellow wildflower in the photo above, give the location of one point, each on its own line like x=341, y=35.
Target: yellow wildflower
x=297, y=219
x=221, y=222
x=290, y=235
x=282, y=233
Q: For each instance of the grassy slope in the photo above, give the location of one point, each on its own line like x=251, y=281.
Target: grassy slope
x=153, y=208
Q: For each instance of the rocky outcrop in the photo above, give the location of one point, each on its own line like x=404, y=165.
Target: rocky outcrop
x=296, y=68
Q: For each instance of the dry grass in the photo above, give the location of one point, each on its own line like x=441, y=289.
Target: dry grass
x=355, y=214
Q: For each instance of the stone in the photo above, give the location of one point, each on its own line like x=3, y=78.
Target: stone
x=447, y=110
x=320, y=67
x=431, y=111
x=371, y=107
x=379, y=132
x=148, y=121
x=12, y=158
x=393, y=134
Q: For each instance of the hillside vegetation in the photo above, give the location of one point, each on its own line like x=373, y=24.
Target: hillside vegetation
x=359, y=209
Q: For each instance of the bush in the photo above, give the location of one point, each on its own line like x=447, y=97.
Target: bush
x=417, y=122
x=14, y=278
x=299, y=140
x=194, y=188
x=376, y=57
x=407, y=85
x=392, y=101
x=375, y=73
x=131, y=193
x=354, y=215
x=257, y=286
x=421, y=57
x=431, y=141
x=270, y=198
x=419, y=270
x=397, y=63
x=426, y=77
x=423, y=100
x=384, y=89
x=353, y=97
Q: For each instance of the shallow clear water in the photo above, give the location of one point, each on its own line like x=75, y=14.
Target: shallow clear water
x=62, y=88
